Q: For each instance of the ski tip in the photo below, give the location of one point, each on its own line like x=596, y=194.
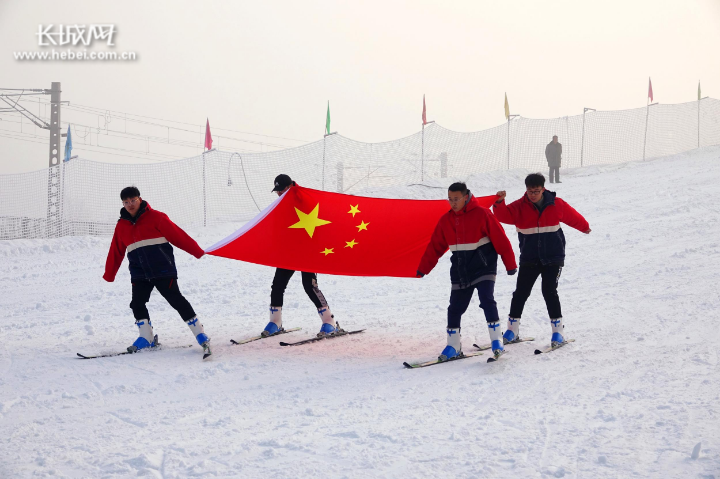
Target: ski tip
x=282, y=343
x=233, y=341
x=205, y=356
x=537, y=351
x=408, y=365
x=491, y=360
x=81, y=356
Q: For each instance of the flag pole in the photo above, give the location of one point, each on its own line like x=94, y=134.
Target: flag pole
x=422, y=154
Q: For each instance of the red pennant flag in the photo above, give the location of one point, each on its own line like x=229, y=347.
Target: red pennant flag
x=424, y=117
x=208, y=137
x=332, y=233
x=650, y=95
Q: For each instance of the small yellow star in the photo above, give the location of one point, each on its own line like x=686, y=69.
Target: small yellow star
x=327, y=251
x=350, y=244
x=354, y=209
x=309, y=221
x=362, y=226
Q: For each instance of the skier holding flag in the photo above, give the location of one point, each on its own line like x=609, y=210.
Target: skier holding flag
x=475, y=238
x=537, y=216
x=309, y=281
x=148, y=235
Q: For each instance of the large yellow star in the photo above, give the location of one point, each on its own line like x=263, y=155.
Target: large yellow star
x=327, y=251
x=362, y=226
x=350, y=244
x=309, y=221
x=354, y=210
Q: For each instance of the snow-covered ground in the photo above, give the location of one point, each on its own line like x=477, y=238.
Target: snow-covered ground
x=631, y=398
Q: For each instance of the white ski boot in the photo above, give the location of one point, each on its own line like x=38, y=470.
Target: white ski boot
x=512, y=333
x=496, y=341
x=199, y=333
x=146, y=338
x=558, y=329
x=275, y=324
x=454, y=345
x=329, y=327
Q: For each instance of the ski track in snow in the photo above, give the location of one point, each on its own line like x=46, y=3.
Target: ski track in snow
x=630, y=398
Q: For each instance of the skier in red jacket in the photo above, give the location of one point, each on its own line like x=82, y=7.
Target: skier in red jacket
x=537, y=217
x=147, y=236
x=475, y=238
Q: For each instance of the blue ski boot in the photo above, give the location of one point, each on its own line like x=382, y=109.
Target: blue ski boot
x=496, y=342
x=199, y=333
x=454, y=345
x=145, y=339
x=275, y=324
x=512, y=333
x=557, y=332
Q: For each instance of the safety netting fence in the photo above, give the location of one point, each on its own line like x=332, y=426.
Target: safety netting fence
x=81, y=197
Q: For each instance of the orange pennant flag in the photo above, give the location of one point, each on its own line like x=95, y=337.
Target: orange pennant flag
x=333, y=233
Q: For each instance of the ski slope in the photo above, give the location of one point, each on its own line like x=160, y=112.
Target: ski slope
x=632, y=397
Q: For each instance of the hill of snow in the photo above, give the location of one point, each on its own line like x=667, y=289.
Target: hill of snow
x=632, y=397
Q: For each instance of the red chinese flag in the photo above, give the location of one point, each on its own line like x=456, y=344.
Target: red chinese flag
x=208, y=137
x=424, y=117
x=331, y=233
x=650, y=95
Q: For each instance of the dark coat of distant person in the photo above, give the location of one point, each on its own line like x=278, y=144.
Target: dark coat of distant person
x=553, y=153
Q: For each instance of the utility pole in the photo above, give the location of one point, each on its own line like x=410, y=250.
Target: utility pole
x=54, y=215
x=54, y=204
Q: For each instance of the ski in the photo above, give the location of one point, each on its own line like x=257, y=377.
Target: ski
x=437, y=361
x=497, y=355
x=553, y=348
x=316, y=339
x=110, y=355
x=259, y=337
x=487, y=346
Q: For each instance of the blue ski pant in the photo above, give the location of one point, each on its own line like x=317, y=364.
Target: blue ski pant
x=460, y=300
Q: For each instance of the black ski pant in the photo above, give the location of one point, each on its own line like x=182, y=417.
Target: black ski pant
x=460, y=300
x=309, y=282
x=556, y=177
x=168, y=288
x=527, y=276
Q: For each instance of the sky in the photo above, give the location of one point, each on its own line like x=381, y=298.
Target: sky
x=270, y=68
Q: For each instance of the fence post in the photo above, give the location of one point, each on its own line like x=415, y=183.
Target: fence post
x=582, y=142
x=510, y=117
x=340, y=175
x=204, y=193
x=647, y=115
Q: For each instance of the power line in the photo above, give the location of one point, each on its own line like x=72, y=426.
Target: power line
x=98, y=111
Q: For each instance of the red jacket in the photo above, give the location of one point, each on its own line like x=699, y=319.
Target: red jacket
x=475, y=238
x=541, y=238
x=147, y=237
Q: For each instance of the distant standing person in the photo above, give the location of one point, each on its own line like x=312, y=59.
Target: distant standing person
x=553, y=153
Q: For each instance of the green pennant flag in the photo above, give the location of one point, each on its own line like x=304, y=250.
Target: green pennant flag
x=698, y=90
x=327, y=121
